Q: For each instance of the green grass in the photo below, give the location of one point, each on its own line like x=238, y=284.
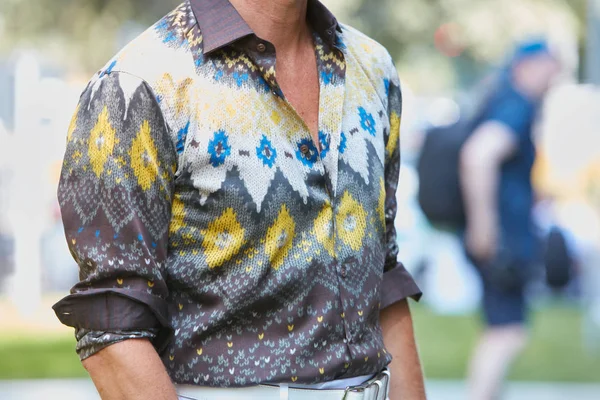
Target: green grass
x=555, y=352
x=28, y=358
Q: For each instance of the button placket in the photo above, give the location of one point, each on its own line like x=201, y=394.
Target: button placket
x=263, y=55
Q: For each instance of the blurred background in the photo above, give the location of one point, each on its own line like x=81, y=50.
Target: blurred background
x=443, y=49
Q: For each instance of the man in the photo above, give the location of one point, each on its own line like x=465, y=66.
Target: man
x=496, y=164
x=232, y=211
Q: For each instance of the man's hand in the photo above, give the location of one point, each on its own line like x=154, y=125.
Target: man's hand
x=130, y=370
x=407, y=376
x=481, y=240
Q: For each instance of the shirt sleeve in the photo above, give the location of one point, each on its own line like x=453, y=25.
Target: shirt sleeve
x=115, y=193
x=398, y=284
x=515, y=113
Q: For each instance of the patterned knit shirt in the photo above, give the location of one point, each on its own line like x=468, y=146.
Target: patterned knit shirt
x=204, y=217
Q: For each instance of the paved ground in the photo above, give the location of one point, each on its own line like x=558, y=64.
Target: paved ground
x=81, y=389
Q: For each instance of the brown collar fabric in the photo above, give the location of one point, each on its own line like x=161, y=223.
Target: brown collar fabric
x=221, y=24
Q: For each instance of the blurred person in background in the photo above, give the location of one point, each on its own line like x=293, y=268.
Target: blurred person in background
x=222, y=246
x=495, y=173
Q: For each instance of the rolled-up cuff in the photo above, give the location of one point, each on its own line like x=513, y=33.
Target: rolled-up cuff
x=91, y=342
x=116, y=310
x=398, y=285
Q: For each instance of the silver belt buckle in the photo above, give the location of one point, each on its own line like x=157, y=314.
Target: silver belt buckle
x=377, y=382
x=354, y=389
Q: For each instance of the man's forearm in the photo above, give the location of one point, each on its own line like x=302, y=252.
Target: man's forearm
x=480, y=162
x=479, y=182
x=407, y=375
x=130, y=370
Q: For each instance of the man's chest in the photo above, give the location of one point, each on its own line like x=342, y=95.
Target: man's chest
x=300, y=84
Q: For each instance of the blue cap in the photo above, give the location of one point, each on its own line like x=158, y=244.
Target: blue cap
x=530, y=48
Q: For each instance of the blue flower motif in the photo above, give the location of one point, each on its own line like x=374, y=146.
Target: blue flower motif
x=181, y=136
x=170, y=37
x=308, y=157
x=111, y=66
x=367, y=121
x=109, y=69
x=339, y=43
x=266, y=152
x=218, y=75
x=219, y=148
x=162, y=25
x=386, y=84
x=343, y=143
x=240, y=78
x=327, y=77
x=324, y=142
x=262, y=83
x=159, y=99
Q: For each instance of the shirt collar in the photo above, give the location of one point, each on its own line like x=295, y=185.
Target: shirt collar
x=221, y=24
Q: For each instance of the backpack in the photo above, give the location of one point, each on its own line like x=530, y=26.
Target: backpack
x=558, y=259
x=439, y=195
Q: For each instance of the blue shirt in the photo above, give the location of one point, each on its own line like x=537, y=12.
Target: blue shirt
x=516, y=196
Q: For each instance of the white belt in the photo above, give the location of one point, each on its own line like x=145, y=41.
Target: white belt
x=374, y=389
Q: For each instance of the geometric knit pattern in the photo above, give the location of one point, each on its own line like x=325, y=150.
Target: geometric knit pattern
x=189, y=177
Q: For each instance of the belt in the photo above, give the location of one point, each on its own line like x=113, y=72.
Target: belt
x=376, y=388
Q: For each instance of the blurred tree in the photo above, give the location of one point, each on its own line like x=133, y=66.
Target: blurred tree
x=82, y=34
x=447, y=44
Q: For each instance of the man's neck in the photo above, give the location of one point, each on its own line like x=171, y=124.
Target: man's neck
x=281, y=22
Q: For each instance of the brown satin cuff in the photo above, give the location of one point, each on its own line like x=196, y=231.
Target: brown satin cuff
x=116, y=310
x=398, y=285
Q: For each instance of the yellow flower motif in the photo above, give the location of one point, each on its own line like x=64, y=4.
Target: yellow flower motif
x=77, y=156
x=223, y=238
x=324, y=228
x=73, y=124
x=366, y=47
x=144, y=157
x=102, y=142
x=177, y=215
x=275, y=117
x=280, y=236
x=381, y=205
x=351, y=222
x=394, y=134
x=182, y=98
